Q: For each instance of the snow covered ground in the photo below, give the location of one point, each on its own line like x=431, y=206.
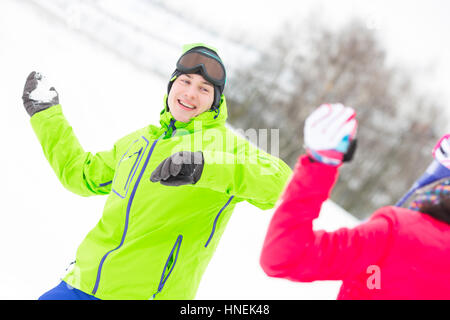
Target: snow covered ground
x=104, y=97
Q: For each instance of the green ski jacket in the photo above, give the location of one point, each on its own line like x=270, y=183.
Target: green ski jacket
x=155, y=241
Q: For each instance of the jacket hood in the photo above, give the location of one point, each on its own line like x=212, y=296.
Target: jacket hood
x=433, y=173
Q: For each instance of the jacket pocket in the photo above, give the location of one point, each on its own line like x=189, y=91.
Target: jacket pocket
x=170, y=264
x=215, y=221
x=127, y=167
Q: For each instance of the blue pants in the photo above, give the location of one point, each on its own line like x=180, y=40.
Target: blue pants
x=65, y=292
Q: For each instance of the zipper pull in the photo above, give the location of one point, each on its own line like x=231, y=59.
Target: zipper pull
x=172, y=125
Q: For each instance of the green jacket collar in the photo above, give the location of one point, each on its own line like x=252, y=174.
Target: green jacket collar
x=207, y=119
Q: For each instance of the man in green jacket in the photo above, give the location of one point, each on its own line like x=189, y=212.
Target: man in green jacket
x=171, y=188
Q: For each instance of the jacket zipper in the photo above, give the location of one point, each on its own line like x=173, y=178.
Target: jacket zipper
x=130, y=201
x=177, y=245
x=134, y=166
x=172, y=125
x=215, y=221
x=164, y=277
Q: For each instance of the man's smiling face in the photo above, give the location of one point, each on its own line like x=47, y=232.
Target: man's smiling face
x=190, y=96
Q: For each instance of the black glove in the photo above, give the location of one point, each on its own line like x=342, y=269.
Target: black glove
x=37, y=96
x=181, y=168
x=348, y=156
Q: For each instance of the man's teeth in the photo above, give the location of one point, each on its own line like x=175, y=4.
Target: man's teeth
x=186, y=105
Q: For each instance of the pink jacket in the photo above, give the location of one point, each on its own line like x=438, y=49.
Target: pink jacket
x=396, y=254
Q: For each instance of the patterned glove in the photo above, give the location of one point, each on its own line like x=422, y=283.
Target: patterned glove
x=329, y=134
x=37, y=94
x=181, y=168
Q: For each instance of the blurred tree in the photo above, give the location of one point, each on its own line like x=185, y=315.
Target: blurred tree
x=307, y=65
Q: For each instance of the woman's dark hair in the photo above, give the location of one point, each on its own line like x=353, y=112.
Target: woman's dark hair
x=439, y=211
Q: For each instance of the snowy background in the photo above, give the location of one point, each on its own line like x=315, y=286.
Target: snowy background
x=110, y=62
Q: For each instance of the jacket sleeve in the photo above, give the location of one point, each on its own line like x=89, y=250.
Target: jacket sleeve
x=81, y=172
x=248, y=173
x=293, y=250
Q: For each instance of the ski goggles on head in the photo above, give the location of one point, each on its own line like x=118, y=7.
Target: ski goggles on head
x=205, y=61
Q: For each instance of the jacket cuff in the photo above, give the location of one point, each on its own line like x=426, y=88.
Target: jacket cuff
x=47, y=113
x=315, y=177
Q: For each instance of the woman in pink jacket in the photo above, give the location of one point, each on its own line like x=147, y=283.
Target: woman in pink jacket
x=399, y=253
